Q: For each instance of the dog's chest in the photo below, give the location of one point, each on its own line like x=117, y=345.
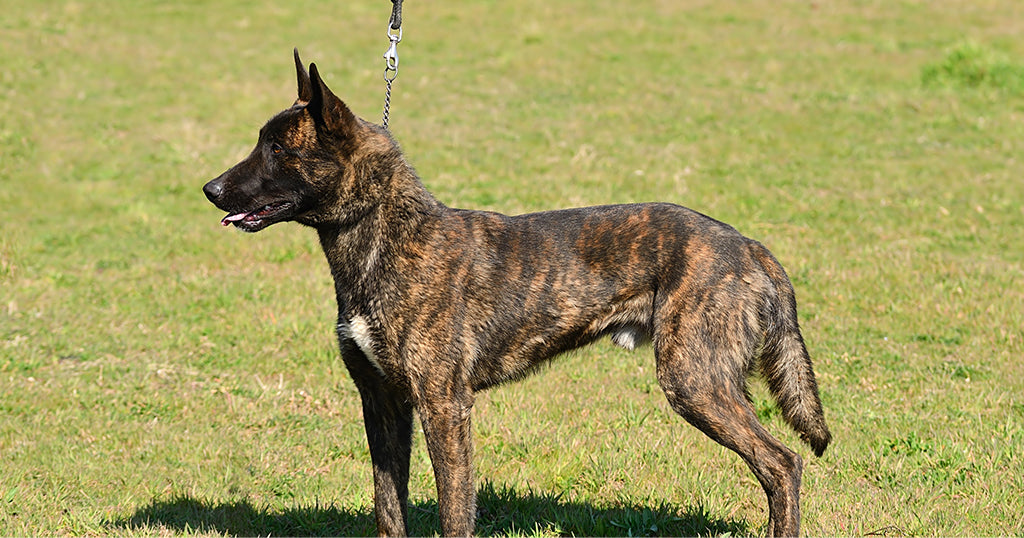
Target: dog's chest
x=358, y=330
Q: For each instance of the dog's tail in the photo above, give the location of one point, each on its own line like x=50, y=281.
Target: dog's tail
x=784, y=360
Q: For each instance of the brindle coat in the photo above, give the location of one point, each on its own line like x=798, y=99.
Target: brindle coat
x=436, y=303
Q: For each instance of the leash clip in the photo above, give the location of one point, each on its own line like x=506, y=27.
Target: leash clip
x=391, y=55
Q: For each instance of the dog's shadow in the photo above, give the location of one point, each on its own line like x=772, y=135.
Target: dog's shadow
x=501, y=512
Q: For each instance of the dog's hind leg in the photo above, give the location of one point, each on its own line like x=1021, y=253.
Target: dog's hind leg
x=447, y=429
x=706, y=389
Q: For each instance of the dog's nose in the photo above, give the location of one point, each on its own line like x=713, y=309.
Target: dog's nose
x=213, y=190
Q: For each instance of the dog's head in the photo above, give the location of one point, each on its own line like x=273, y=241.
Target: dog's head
x=303, y=164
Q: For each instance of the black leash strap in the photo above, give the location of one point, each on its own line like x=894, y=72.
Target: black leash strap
x=396, y=14
x=391, y=56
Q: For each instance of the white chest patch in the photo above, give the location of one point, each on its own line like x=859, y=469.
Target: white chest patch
x=358, y=330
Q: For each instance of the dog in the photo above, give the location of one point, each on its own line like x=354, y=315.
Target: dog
x=437, y=303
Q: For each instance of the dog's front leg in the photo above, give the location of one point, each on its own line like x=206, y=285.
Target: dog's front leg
x=446, y=426
x=388, y=419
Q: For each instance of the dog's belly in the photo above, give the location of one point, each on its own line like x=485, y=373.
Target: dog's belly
x=510, y=347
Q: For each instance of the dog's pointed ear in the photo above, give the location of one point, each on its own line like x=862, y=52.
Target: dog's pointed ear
x=327, y=110
x=305, y=85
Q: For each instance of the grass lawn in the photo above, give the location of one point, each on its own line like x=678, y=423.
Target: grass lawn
x=162, y=376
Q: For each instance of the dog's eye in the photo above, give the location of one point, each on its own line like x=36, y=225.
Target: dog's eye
x=276, y=148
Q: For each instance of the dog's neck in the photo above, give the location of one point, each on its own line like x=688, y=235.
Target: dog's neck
x=361, y=251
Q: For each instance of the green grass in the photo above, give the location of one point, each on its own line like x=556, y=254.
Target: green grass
x=971, y=65
x=162, y=376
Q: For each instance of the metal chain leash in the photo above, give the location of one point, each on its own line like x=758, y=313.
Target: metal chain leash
x=391, y=57
x=390, y=71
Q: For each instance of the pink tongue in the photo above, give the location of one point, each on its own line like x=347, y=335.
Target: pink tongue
x=232, y=218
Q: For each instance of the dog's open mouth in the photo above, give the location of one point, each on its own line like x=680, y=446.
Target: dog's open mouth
x=258, y=218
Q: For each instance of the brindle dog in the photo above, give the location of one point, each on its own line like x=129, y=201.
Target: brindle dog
x=437, y=303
